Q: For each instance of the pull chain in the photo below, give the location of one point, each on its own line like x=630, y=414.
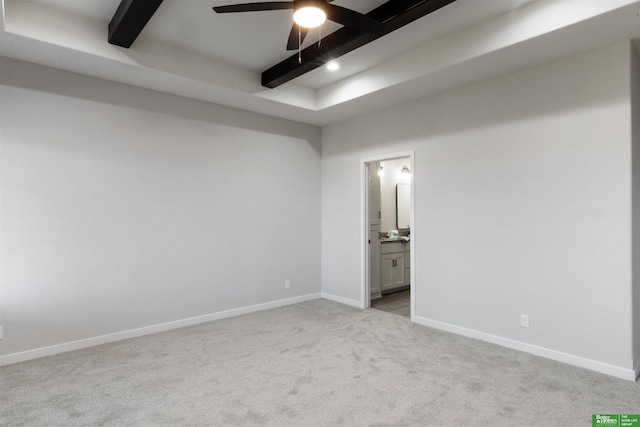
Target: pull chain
x=299, y=43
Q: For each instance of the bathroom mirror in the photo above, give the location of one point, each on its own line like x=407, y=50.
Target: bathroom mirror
x=403, y=205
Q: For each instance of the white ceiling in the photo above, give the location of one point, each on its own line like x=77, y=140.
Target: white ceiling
x=187, y=49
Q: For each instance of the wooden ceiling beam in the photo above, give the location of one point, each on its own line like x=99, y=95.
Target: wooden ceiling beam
x=393, y=14
x=129, y=20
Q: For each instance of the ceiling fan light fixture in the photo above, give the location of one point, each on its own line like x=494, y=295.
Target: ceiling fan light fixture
x=309, y=16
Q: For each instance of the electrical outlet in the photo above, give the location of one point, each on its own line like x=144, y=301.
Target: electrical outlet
x=287, y=284
x=524, y=320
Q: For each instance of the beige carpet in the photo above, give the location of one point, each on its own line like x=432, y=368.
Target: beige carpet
x=317, y=363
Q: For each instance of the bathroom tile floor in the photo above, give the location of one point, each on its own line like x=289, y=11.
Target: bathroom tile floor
x=397, y=303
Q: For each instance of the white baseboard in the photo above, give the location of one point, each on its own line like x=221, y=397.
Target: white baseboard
x=615, y=371
x=637, y=371
x=341, y=300
x=147, y=330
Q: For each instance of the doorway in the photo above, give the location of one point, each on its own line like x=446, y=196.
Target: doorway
x=388, y=222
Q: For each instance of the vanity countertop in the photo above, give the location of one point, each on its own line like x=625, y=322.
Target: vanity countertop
x=387, y=240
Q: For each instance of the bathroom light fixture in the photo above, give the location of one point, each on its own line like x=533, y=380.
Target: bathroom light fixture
x=404, y=175
x=309, y=14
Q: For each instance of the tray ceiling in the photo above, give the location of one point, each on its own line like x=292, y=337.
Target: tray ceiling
x=189, y=50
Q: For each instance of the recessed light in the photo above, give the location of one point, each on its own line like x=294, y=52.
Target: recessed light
x=333, y=66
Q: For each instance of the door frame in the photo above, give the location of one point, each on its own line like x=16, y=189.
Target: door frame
x=365, y=293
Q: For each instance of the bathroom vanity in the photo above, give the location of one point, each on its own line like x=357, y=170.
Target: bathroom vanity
x=395, y=267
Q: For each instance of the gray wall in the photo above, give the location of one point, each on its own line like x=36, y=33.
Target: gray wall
x=124, y=208
x=522, y=206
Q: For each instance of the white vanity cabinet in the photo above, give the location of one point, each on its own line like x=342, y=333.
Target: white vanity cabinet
x=394, y=265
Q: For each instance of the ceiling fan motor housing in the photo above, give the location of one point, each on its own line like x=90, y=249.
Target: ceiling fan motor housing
x=297, y=4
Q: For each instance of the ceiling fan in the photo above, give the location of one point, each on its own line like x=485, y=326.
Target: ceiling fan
x=310, y=14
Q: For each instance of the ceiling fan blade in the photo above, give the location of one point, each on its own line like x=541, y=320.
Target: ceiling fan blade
x=254, y=7
x=292, y=43
x=353, y=19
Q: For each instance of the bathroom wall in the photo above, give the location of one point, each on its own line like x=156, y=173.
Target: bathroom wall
x=390, y=177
